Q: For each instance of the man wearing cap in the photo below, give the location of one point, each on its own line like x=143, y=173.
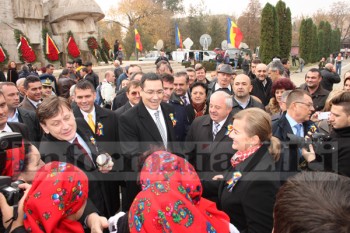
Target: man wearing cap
x=47, y=88
x=49, y=75
x=91, y=75
x=223, y=82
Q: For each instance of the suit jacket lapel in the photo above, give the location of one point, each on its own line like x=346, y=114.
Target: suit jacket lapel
x=148, y=122
x=168, y=123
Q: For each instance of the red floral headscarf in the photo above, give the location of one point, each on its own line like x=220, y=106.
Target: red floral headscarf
x=59, y=190
x=170, y=200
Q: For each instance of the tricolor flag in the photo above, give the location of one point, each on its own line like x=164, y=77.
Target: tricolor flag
x=178, y=38
x=234, y=34
x=138, y=40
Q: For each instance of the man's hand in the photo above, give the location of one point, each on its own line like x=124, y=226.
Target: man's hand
x=310, y=155
x=7, y=211
x=97, y=223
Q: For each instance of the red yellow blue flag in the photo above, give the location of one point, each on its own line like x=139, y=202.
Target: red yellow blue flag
x=178, y=38
x=234, y=34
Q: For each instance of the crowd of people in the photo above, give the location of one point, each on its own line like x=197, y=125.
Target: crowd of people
x=169, y=151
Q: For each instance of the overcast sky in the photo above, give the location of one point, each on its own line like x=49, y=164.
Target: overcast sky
x=232, y=7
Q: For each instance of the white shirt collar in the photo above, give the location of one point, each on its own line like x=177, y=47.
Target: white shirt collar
x=221, y=123
x=217, y=86
x=7, y=128
x=93, y=113
x=35, y=103
x=14, y=118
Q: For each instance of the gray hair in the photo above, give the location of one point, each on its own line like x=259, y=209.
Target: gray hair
x=276, y=65
x=228, y=98
x=285, y=95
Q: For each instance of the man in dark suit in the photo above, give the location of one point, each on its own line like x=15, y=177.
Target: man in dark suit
x=262, y=84
x=208, y=146
x=102, y=124
x=143, y=127
x=133, y=90
x=179, y=99
x=32, y=87
x=20, y=115
x=296, y=121
x=10, y=126
x=242, y=99
x=64, y=142
x=120, y=99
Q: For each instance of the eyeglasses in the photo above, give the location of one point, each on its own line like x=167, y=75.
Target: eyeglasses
x=135, y=93
x=158, y=92
x=309, y=105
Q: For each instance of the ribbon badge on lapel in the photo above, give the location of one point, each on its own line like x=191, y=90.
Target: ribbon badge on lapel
x=92, y=140
x=236, y=176
x=229, y=129
x=172, y=118
x=99, y=129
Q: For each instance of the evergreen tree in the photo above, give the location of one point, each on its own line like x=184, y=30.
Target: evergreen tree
x=314, y=55
x=285, y=28
x=321, y=46
x=306, y=39
x=269, y=40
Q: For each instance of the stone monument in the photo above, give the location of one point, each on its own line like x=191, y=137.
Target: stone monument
x=58, y=16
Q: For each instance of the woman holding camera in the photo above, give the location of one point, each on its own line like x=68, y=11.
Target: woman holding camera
x=247, y=192
x=54, y=202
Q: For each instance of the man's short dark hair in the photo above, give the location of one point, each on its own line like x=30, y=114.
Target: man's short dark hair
x=314, y=70
x=149, y=77
x=30, y=79
x=84, y=69
x=295, y=95
x=48, y=66
x=313, y=202
x=182, y=74
x=342, y=99
x=284, y=61
x=50, y=107
x=135, y=74
x=199, y=67
x=167, y=78
x=256, y=61
x=84, y=85
x=65, y=72
x=133, y=83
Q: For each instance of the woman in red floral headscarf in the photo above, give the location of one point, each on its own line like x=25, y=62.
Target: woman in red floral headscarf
x=170, y=200
x=56, y=199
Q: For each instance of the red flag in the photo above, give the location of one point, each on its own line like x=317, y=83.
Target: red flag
x=51, y=49
x=28, y=53
x=2, y=55
x=138, y=40
x=72, y=48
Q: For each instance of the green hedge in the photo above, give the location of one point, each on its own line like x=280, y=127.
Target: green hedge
x=209, y=66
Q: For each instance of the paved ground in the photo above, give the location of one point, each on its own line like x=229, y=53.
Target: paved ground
x=299, y=78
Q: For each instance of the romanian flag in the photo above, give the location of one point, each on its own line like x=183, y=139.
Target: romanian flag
x=138, y=40
x=178, y=38
x=234, y=34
